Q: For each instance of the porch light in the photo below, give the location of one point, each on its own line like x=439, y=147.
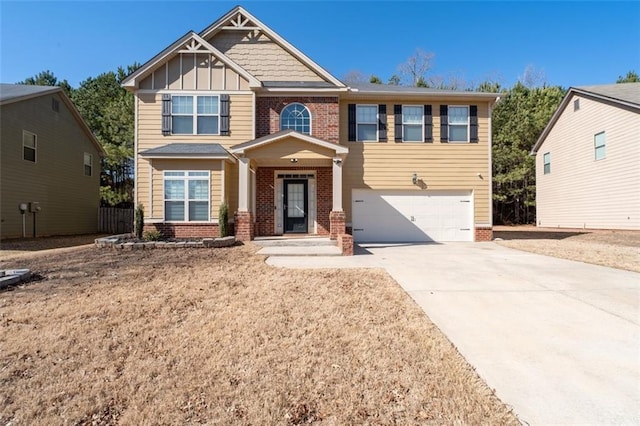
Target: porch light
x=337, y=161
x=294, y=160
x=414, y=178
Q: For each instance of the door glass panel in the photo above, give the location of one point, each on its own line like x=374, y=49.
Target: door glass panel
x=295, y=200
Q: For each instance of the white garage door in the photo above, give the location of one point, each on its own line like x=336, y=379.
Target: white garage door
x=408, y=216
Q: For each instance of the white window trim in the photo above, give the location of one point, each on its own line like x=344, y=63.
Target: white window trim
x=449, y=123
x=35, y=146
x=413, y=124
x=186, y=198
x=376, y=123
x=596, y=146
x=195, y=114
x=84, y=161
x=545, y=163
x=308, y=111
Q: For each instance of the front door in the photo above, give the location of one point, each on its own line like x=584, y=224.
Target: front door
x=295, y=206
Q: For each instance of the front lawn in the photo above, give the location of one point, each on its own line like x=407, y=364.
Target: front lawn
x=216, y=336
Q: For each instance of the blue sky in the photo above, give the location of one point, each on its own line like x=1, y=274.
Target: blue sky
x=572, y=43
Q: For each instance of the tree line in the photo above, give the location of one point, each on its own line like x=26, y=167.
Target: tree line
x=518, y=120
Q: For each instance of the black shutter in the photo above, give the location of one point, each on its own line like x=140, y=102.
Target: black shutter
x=444, y=124
x=397, y=113
x=166, y=114
x=224, y=115
x=428, y=124
x=473, y=123
x=352, y=122
x=382, y=123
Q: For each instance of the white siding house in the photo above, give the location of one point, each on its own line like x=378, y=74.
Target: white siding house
x=588, y=160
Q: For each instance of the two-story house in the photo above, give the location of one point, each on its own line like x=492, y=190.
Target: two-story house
x=237, y=114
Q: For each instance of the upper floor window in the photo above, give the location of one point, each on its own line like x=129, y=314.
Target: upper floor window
x=367, y=123
x=412, y=123
x=195, y=115
x=296, y=117
x=29, y=143
x=458, y=123
x=600, y=144
x=88, y=164
x=546, y=161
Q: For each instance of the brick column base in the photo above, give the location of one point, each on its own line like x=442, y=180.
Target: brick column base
x=345, y=244
x=244, y=226
x=337, y=224
x=484, y=234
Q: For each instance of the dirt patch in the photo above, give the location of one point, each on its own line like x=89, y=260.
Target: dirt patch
x=10, y=248
x=217, y=336
x=616, y=249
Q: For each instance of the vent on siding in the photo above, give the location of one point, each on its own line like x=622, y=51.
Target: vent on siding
x=55, y=104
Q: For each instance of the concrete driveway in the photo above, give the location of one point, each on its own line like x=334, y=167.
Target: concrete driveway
x=558, y=340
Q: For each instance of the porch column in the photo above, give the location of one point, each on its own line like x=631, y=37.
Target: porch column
x=243, y=217
x=337, y=218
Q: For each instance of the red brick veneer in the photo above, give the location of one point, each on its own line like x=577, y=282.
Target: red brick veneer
x=265, y=203
x=244, y=226
x=184, y=230
x=484, y=234
x=324, y=115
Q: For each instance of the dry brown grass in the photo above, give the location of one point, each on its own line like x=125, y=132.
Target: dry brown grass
x=616, y=249
x=217, y=336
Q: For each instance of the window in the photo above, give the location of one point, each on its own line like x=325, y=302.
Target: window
x=186, y=196
x=88, y=164
x=296, y=117
x=205, y=120
x=458, y=124
x=29, y=146
x=600, y=144
x=576, y=104
x=412, y=123
x=546, y=159
x=367, y=123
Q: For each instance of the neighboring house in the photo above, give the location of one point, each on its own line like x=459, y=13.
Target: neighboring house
x=235, y=113
x=588, y=160
x=49, y=164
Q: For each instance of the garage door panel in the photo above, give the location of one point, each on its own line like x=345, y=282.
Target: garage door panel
x=407, y=216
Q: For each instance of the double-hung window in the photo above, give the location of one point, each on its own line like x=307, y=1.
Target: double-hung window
x=600, y=144
x=195, y=115
x=412, y=123
x=29, y=146
x=186, y=196
x=367, y=123
x=458, y=124
x=546, y=160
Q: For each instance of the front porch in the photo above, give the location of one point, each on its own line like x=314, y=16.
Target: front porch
x=289, y=184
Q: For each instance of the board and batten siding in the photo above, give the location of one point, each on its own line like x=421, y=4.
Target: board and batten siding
x=439, y=166
x=150, y=136
x=69, y=200
x=580, y=191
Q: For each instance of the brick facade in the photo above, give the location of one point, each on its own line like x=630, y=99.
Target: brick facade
x=265, y=202
x=337, y=224
x=244, y=226
x=184, y=230
x=324, y=115
x=484, y=234
x=345, y=244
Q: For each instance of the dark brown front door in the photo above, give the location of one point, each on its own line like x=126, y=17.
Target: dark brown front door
x=295, y=206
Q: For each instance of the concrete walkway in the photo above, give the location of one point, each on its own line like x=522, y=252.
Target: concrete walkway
x=558, y=340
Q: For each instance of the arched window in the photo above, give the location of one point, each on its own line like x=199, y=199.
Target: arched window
x=296, y=117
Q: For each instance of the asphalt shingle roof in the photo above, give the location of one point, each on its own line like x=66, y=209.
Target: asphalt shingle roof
x=12, y=91
x=188, y=149
x=627, y=92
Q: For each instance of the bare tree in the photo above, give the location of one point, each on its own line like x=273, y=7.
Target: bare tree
x=354, y=76
x=532, y=77
x=416, y=66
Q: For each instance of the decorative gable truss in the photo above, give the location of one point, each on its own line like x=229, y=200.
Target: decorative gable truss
x=191, y=63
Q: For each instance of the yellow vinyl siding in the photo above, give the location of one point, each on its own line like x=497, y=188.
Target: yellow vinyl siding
x=581, y=191
x=69, y=200
x=197, y=74
x=290, y=148
x=440, y=166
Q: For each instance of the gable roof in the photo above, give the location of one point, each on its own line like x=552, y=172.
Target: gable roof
x=390, y=89
x=11, y=93
x=134, y=78
x=236, y=16
x=623, y=95
x=274, y=137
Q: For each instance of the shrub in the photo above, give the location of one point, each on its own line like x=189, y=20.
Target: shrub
x=138, y=221
x=223, y=219
x=153, y=235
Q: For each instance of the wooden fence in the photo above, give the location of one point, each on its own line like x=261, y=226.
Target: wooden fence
x=116, y=221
